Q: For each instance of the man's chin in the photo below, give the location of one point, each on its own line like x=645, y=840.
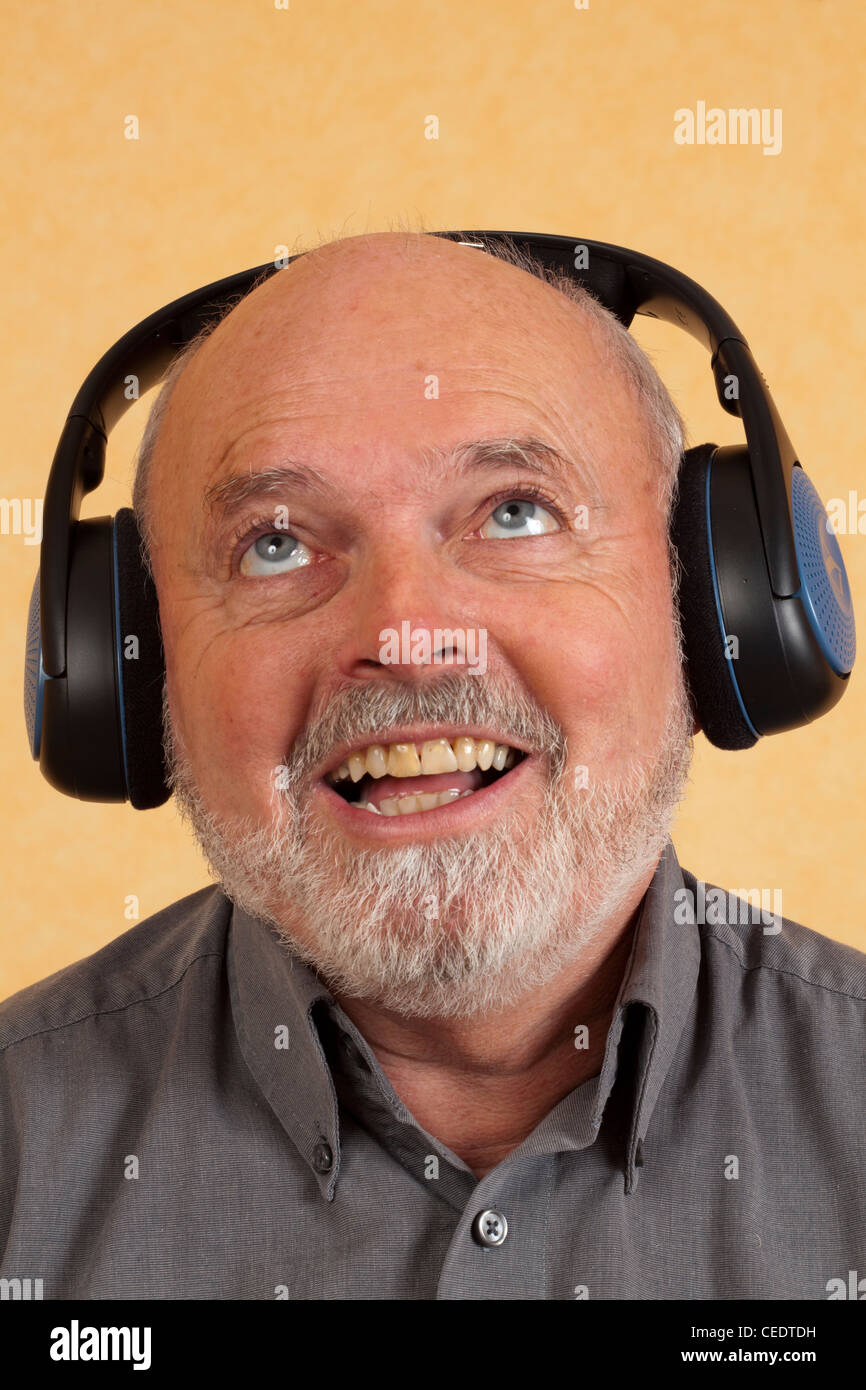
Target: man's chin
x=450, y=926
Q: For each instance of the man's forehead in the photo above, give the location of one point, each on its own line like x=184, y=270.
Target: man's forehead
x=326, y=443
x=301, y=353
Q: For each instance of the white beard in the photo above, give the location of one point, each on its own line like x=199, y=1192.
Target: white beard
x=466, y=924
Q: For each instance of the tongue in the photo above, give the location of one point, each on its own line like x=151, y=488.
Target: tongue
x=375, y=791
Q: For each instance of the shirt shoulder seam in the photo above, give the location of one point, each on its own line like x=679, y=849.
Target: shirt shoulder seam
x=779, y=970
x=100, y=1013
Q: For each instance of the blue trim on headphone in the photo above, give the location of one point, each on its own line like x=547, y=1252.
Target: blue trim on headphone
x=117, y=652
x=824, y=589
x=34, y=674
x=730, y=660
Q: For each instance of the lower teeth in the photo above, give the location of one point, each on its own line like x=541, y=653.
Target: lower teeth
x=409, y=805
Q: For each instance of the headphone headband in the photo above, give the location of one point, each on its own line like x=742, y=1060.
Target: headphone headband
x=626, y=282
x=767, y=619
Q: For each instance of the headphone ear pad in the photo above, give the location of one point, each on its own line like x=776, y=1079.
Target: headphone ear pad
x=141, y=667
x=709, y=673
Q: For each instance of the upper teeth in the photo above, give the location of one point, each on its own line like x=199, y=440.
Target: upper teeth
x=413, y=760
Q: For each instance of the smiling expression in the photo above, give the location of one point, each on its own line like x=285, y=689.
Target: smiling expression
x=398, y=430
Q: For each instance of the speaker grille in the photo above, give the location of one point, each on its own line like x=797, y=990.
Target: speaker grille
x=824, y=586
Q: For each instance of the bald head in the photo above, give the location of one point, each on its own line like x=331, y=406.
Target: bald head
x=414, y=296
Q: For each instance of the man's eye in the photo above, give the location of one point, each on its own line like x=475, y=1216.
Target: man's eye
x=275, y=552
x=519, y=516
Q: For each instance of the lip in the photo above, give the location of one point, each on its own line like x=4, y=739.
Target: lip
x=419, y=734
x=469, y=813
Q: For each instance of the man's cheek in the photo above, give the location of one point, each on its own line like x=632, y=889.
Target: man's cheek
x=614, y=697
x=593, y=674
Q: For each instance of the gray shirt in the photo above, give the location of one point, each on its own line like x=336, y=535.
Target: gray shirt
x=188, y=1114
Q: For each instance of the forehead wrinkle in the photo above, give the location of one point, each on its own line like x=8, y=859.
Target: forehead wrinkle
x=443, y=464
x=523, y=451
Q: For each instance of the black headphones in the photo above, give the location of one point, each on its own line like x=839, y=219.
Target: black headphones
x=768, y=622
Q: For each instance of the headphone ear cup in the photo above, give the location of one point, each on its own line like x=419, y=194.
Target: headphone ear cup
x=140, y=667
x=709, y=671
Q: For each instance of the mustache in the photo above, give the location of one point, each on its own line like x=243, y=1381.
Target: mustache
x=360, y=713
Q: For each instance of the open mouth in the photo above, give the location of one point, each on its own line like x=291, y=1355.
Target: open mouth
x=404, y=779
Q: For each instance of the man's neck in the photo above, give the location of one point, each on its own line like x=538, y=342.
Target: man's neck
x=482, y=1085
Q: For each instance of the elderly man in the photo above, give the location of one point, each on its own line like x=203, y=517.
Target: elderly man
x=441, y=1030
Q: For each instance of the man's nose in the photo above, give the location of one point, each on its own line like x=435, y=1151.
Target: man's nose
x=408, y=615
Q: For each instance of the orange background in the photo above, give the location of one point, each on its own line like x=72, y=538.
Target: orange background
x=259, y=126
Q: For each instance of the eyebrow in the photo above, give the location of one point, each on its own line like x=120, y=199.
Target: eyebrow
x=527, y=452
x=522, y=451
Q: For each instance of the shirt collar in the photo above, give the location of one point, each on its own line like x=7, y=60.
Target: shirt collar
x=274, y=997
x=661, y=977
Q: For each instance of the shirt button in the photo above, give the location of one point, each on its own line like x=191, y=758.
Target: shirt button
x=489, y=1227
x=323, y=1159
